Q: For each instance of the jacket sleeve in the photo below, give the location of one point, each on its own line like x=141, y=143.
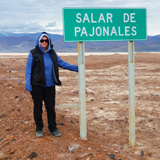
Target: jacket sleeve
x=66, y=65
x=28, y=72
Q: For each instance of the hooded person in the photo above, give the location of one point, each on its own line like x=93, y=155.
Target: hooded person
x=41, y=75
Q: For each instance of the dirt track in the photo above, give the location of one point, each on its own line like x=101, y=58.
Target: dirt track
x=107, y=111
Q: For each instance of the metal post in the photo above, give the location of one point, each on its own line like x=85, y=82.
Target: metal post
x=82, y=91
x=131, y=82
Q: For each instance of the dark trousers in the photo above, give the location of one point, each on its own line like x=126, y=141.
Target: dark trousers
x=48, y=95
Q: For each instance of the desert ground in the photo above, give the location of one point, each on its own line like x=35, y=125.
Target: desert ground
x=107, y=106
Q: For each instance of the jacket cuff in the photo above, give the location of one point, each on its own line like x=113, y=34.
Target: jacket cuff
x=28, y=88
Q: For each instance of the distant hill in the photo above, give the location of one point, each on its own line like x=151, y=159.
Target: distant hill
x=24, y=42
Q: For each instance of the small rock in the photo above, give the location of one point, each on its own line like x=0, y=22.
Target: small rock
x=63, y=117
x=73, y=148
x=26, y=122
x=1, y=139
x=71, y=121
x=2, y=114
x=32, y=155
x=142, y=153
x=9, y=128
x=92, y=99
x=84, y=155
x=10, y=138
x=90, y=91
x=116, y=151
x=60, y=124
x=106, y=99
x=112, y=156
x=21, y=99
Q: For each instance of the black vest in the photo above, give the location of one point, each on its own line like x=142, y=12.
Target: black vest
x=37, y=75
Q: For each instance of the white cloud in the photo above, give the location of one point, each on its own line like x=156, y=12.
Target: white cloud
x=36, y=15
x=51, y=24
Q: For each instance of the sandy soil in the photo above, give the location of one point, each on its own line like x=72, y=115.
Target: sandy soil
x=107, y=111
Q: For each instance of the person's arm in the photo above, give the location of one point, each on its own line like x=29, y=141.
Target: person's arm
x=28, y=72
x=66, y=65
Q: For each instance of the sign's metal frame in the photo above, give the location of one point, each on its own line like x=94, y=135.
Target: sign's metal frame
x=131, y=83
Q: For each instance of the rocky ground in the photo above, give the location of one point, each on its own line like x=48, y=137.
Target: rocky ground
x=107, y=111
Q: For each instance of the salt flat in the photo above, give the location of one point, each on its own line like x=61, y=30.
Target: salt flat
x=24, y=55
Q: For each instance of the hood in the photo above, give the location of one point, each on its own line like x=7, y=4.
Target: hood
x=50, y=46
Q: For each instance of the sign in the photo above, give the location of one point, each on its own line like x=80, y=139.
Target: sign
x=104, y=24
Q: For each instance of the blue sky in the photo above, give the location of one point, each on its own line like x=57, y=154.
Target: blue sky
x=37, y=15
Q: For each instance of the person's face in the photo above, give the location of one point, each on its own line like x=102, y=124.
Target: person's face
x=44, y=42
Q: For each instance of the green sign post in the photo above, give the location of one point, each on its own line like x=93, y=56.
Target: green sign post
x=105, y=24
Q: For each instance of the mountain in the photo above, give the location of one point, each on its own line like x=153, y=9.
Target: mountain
x=24, y=42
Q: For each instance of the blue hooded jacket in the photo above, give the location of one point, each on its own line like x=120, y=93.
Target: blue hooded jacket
x=48, y=64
